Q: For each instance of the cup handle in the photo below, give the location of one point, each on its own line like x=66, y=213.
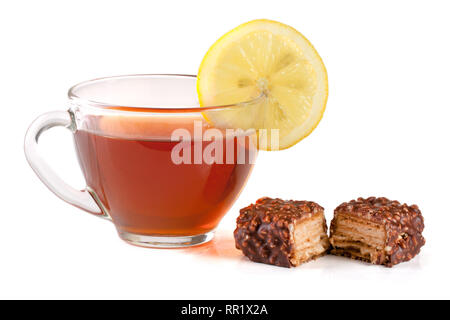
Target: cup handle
x=79, y=198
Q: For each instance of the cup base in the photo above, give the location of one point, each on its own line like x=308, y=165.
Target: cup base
x=165, y=242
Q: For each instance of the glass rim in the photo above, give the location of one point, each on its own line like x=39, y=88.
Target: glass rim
x=129, y=108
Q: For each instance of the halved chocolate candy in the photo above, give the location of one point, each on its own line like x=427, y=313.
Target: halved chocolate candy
x=282, y=233
x=377, y=230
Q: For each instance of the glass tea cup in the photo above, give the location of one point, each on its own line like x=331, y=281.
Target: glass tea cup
x=152, y=163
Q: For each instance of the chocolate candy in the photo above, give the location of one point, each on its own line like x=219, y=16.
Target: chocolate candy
x=282, y=233
x=377, y=230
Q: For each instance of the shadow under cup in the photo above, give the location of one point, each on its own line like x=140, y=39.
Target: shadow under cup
x=153, y=164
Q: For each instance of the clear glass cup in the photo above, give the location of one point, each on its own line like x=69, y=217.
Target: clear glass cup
x=153, y=165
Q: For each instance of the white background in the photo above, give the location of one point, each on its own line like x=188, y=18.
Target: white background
x=385, y=132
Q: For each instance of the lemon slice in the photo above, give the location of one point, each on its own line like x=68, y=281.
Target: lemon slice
x=274, y=62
